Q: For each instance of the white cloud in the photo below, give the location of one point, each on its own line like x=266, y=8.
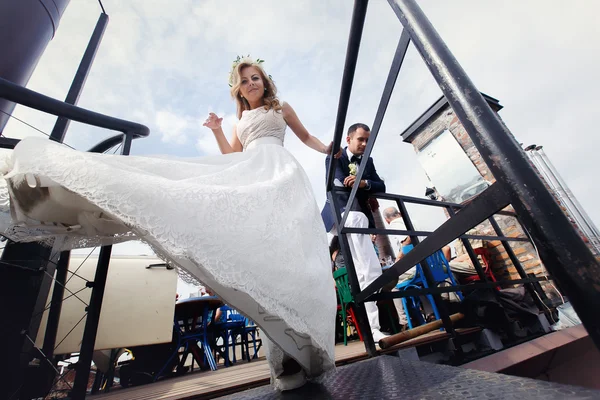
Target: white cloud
x=173, y=127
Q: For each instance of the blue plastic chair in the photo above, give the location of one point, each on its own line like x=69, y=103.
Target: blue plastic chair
x=189, y=333
x=229, y=327
x=248, y=332
x=440, y=270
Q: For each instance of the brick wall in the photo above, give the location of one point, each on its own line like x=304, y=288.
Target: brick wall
x=502, y=266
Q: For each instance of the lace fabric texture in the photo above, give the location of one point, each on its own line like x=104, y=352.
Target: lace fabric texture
x=260, y=123
x=244, y=224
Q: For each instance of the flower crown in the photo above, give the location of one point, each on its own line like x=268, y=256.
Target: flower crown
x=240, y=60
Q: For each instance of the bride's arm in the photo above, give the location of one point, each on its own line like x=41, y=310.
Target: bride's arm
x=236, y=145
x=294, y=123
x=214, y=123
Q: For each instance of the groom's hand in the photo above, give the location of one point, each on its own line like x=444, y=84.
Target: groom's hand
x=349, y=181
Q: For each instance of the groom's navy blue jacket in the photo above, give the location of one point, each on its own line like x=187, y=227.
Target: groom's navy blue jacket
x=362, y=195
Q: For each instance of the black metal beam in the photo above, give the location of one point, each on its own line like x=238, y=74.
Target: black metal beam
x=452, y=289
x=486, y=204
x=419, y=200
x=383, y=231
x=383, y=104
x=62, y=123
x=93, y=318
x=8, y=143
x=562, y=250
x=356, y=28
x=49, y=268
x=22, y=277
x=91, y=326
x=107, y=144
x=127, y=138
x=31, y=99
x=62, y=267
x=428, y=202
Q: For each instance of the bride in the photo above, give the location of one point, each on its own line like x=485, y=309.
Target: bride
x=245, y=223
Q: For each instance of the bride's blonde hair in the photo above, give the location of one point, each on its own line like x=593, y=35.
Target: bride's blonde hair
x=270, y=95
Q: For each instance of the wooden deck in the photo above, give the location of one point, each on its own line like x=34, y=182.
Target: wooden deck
x=206, y=385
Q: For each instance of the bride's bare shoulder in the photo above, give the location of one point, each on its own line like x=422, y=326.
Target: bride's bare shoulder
x=286, y=109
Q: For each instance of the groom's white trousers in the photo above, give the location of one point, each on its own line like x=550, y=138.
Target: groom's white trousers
x=365, y=260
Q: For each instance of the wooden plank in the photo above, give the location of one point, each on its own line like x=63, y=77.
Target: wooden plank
x=196, y=383
x=428, y=338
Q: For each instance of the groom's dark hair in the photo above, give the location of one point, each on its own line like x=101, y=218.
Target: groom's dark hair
x=356, y=126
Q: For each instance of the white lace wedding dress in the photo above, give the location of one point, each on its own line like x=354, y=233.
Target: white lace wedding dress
x=244, y=224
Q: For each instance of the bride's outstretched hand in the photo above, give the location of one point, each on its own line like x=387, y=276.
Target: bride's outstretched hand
x=330, y=147
x=213, y=122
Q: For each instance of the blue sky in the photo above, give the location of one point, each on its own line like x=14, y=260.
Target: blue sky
x=165, y=64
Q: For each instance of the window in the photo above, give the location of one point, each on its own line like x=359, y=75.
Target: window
x=450, y=170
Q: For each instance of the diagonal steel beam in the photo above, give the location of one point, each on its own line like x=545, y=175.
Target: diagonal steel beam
x=383, y=104
x=488, y=203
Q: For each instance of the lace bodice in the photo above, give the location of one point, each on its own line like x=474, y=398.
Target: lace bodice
x=259, y=123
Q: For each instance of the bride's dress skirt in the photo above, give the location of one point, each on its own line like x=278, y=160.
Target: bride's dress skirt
x=245, y=224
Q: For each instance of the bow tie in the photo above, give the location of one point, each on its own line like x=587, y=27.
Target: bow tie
x=355, y=159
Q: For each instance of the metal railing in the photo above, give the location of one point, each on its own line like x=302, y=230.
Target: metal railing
x=129, y=131
x=561, y=249
x=29, y=98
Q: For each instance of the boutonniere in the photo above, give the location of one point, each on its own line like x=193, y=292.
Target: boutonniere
x=352, y=168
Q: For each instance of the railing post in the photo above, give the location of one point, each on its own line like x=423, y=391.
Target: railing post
x=91, y=326
x=62, y=268
x=472, y=256
x=414, y=240
x=127, y=139
x=62, y=124
x=399, y=55
x=356, y=28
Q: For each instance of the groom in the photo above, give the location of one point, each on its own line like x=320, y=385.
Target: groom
x=363, y=253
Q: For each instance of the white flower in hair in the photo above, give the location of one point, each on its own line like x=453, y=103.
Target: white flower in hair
x=243, y=59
